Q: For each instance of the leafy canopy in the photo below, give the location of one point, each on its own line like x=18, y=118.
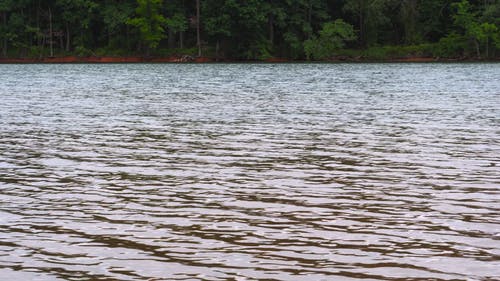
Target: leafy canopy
x=149, y=21
x=332, y=36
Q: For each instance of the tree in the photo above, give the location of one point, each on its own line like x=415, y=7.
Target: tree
x=5, y=29
x=177, y=21
x=250, y=29
x=198, y=31
x=480, y=33
x=76, y=15
x=489, y=32
x=371, y=16
x=218, y=20
x=409, y=16
x=115, y=16
x=434, y=19
x=13, y=28
x=332, y=36
x=296, y=21
x=239, y=27
x=150, y=22
x=491, y=18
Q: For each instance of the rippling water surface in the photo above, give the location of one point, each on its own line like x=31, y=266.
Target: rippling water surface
x=244, y=172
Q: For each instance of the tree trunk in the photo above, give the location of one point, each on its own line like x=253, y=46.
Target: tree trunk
x=409, y=12
x=487, y=47
x=110, y=38
x=23, y=51
x=127, y=37
x=309, y=19
x=361, y=24
x=38, y=39
x=217, y=50
x=271, y=29
x=478, y=51
x=198, y=36
x=181, y=39
x=4, y=47
x=171, y=38
x=50, y=35
x=43, y=42
x=68, y=38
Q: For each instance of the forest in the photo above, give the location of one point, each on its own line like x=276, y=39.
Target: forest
x=251, y=29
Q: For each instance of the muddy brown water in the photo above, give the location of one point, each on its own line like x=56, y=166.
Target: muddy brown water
x=250, y=172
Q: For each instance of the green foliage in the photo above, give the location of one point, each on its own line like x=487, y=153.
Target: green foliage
x=332, y=36
x=252, y=29
x=35, y=52
x=480, y=33
x=15, y=28
x=236, y=25
x=101, y=52
x=217, y=21
x=453, y=45
x=82, y=51
x=409, y=15
x=76, y=15
x=375, y=53
x=77, y=11
x=177, y=22
x=177, y=52
x=116, y=16
x=486, y=31
x=432, y=24
x=259, y=50
x=371, y=16
x=294, y=44
x=149, y=22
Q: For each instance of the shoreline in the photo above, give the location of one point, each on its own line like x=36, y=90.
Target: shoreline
x=189, y=59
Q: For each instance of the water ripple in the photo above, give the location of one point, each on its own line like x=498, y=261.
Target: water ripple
x=236, y=172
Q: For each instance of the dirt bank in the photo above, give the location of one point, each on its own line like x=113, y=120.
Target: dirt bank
x=190, y=59
x=94, y=59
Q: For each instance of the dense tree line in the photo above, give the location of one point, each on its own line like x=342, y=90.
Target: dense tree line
x=248, y=29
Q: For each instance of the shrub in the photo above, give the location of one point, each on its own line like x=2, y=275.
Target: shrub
x=451, y=46
x=332, y=37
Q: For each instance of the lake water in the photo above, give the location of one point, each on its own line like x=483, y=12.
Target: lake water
x=250, y=171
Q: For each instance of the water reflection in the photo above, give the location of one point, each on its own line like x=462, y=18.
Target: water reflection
x=278, y=172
